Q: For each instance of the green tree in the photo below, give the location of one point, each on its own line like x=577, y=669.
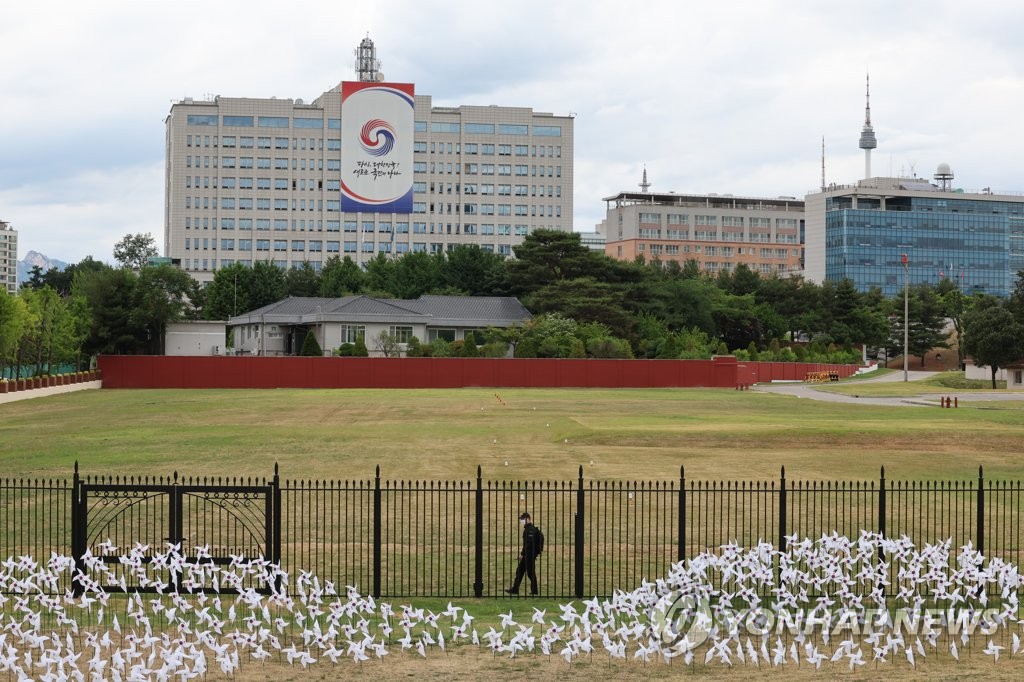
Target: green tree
x=585, y=300
x=359, y=349
x=14, y=320
x=341, y=278
x=415, y=349
x=163, y=294
x=380, y=275
x=439, y=348
x=133, y=251
x=547, y=256
x=992, y=336
x=469, y=347
x=954, y=303
x=303, y=281
x=268, y=284
x=311, y=347
x=111, y=297
x=413, y=275
x=473, y=271
x=228, y=294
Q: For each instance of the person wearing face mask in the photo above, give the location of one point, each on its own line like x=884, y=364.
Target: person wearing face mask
x=533, y=545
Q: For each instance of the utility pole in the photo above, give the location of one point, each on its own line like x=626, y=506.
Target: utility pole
x=906, y=314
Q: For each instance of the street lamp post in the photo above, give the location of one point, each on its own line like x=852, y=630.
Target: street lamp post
x=906, y=314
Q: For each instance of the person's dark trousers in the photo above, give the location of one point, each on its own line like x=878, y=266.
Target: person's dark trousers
x=528, y=567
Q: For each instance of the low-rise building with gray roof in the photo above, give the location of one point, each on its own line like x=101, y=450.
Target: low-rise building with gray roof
x=280, y=328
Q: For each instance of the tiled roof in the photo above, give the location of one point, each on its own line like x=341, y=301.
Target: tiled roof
x=430, y=310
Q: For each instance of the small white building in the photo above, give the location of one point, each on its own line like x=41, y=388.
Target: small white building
x=199, y=337
x=280, y=328
x=1012, y=375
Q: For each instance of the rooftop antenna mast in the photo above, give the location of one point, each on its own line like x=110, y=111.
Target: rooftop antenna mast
x=867, y=134
x=822, y=163
x=367, y=64
x=644, y=185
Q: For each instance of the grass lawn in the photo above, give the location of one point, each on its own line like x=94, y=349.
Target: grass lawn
x=540, y=433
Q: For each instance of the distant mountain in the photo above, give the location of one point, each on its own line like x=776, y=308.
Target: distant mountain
x=33, y=258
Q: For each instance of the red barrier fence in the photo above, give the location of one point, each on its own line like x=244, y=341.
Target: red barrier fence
x=149, y=371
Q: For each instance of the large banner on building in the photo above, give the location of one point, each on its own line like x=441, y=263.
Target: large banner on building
x=376, y=147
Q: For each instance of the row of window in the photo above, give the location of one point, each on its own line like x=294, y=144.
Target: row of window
x=704, y=236
x=263, y=162
x=297, y=245
x=447, y=127
x=402, y=227
x=725, y=251
x=711, y=220
x=301, y=184
x=472, y=148
x=453, y=128
x=535, y=210
x=246, y=182
x=209, y=264
x=521, y=170
x=334, y=144
x=334, y=206
x=261, y=121
x=249, y=142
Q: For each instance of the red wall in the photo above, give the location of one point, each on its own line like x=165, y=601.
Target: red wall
x=149, y=371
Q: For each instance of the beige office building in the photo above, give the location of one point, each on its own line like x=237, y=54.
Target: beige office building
x=8, y=258
x=259, y=179
x=719, y=231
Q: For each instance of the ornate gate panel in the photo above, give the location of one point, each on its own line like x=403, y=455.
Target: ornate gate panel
x=209, y=522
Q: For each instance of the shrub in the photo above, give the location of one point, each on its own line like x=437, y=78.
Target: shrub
x=469, y=347
x=494, y=349
x=439, y=348
x=413, y=349
x=359, y=350
x=310, y=347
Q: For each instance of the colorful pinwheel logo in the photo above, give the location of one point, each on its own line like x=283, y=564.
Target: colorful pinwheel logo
x=377, y=137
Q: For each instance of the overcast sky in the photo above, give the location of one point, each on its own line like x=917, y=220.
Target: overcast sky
x=726, y=97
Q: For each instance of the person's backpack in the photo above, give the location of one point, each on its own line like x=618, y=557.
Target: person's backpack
x=538, y=540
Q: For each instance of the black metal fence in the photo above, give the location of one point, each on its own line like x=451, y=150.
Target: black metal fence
x=400, y=538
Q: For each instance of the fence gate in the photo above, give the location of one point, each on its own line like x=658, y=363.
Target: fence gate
x=225, y=518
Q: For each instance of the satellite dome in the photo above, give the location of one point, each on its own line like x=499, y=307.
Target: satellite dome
x=943, y=169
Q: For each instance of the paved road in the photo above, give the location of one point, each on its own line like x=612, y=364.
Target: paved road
x=924, y=399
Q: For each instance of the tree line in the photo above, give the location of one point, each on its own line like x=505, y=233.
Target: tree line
x=585, y=304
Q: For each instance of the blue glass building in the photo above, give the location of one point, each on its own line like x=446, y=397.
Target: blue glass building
x=861, y=232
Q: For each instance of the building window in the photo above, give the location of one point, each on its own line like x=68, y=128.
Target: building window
x=402, y=334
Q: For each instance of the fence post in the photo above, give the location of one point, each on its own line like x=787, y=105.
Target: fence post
x=881, y=504
x=376, y=534
x=77, y=530
x=275, y=525
x=682, y=513
x=478, y=580
x=981, y=511
x=782, y=512
x=579, y=537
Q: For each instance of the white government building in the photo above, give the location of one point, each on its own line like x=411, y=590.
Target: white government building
x=260, y=179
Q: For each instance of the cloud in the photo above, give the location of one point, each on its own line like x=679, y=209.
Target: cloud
x=86, y=214
x=712, y=97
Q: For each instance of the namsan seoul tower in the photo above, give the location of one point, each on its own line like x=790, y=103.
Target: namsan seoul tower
x=867, y=135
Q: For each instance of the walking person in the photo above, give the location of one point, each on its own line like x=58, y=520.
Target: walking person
x=533, y=545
